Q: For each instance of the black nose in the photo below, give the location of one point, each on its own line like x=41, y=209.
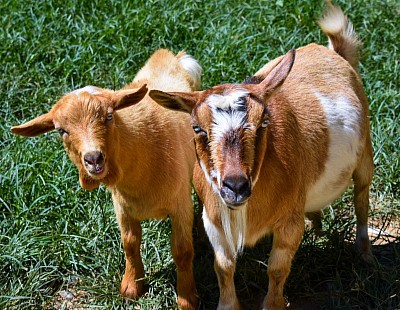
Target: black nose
x=239, y=185
x=93, y=158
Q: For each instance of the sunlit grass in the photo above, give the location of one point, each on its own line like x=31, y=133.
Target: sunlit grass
x=56, y=237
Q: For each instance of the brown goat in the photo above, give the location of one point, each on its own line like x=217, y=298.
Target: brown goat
x=142, y=153
x=285, y=142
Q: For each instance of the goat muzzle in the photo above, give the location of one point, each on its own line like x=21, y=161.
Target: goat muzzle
x=235, y=190
x=94, y=162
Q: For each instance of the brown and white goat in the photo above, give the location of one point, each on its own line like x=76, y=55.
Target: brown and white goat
x=285, y=142
x=142, y=153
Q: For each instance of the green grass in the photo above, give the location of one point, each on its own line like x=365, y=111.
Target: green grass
x=56, y=237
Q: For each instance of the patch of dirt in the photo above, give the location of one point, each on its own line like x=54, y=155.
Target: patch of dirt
x=70, y=299
x=384, y=229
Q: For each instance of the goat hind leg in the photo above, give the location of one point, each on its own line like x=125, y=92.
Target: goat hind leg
x=362, y=177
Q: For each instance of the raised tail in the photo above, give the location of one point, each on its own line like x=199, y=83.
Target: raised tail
x=169, y=72
x=342, y=37
x=190, y=64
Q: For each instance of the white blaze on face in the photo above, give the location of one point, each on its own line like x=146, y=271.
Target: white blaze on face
x=228, y=112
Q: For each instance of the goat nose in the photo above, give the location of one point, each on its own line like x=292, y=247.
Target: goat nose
x=93, y=158
x=240, y=185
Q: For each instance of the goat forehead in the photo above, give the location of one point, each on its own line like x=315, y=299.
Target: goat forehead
x=80, y=110
x=229, y=112
x=234, y=100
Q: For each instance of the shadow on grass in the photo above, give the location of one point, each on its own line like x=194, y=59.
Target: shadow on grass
x=326, y=274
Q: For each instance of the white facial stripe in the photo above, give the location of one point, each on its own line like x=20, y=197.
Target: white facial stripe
x=228, y=112
x=227, y=121
x=209, y=177
x=92, y=90
x=228, y=101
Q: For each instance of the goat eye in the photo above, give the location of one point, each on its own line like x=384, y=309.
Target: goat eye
x=265, y=123
x=61, y=131
x=109, y=117
x=197, y=129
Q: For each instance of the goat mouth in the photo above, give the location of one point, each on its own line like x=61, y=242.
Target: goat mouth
x=95, y=171
x=235, y=205
x=233, y=200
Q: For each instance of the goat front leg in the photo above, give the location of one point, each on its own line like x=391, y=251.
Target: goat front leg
x=132, y=282
x=287, y=238
x=183, y=253
x=224, y=265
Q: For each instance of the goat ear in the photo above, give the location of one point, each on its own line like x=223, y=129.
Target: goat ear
x=35, y=127
x=178, y=101
x=127, y=97
x=278, y=74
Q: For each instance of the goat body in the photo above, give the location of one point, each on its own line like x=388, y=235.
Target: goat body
x=286, y=142
x=142, y=152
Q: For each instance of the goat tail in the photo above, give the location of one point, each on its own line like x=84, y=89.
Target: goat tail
x=191, y=66
x=342, y=37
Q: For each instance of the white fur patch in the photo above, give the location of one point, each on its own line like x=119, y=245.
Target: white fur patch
x=343, y=120
x=228, y=101
x=92, y=90
x=209, y=177
x=230, y=242
x=193, y=67
x=228, y=112
x=217, y=239
x=234, y=225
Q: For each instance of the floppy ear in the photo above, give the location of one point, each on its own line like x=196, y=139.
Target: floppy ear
x=277, y=75
x=178, y=101
x=127, y=97
x=35, y=127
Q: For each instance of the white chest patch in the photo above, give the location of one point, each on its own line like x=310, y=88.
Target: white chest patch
x=343, y=119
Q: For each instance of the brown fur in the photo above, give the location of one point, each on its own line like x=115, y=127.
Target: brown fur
x=148, y=158
x=287, y=157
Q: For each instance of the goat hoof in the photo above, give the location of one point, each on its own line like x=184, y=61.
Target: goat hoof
x=191, y=303
x=369, y=259
x=132, y=289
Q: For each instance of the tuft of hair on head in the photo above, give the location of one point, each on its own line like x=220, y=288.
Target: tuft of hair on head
x=340, y=31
